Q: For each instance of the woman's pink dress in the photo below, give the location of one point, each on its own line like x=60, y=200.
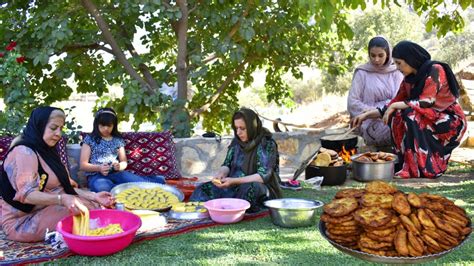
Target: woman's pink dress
x=22, y=166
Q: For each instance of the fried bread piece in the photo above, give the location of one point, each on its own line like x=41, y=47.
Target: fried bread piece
x=456, y=209
x=400, y=204
x=380, y=187
x=344, y=228
x=373, y=216
x=383, y=232
x=430, y=241
x=336, y=220
x=387, y=238
x=456, y=217
x=323, y=159
x=341, y=207
x=394, y=221
x=367, y=242
x=377, y=200
x=442, y=224
x=416, y=242
x=401, y=242
x=347, y=239
x=350, y=193
x=414, y=200
x=425, y=219
x=408, y=224
x=344, y=232
x=415, y=221
x=412, y=251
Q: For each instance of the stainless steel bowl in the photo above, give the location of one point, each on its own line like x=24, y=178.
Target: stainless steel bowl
x=292, y=212
x=369, y=171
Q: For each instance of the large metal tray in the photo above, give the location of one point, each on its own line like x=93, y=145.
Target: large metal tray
x=384, y=259
x=145, y=185
x=187, y=215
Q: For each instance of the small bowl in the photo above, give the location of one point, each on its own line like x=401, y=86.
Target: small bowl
x=292, y=212
x=101, y=245
x=227, y=210
x=369, y=171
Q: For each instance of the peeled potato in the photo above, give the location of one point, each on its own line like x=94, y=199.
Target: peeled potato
x=323, y=159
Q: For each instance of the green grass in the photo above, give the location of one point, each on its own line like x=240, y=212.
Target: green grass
x=458, y=167
x=261, y=242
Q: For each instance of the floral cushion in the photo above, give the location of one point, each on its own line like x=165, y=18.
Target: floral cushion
x=6, y=140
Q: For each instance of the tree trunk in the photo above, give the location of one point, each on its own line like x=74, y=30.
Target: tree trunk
x=181, y=67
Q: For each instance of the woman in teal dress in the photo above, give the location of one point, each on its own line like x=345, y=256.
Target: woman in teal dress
x=251, y=168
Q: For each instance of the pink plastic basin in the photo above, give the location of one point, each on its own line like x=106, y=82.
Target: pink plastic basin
x=227, y=210
x=101, y=245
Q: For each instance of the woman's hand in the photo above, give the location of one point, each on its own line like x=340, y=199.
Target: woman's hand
x=357, y=121
x=392, y=108
x=104, y=169
x=388, y=113
x=116, y=166
x=73, y=204
x=105, y=199
x=229, y=182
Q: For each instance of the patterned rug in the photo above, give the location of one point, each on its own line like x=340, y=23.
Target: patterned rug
x=23, y=253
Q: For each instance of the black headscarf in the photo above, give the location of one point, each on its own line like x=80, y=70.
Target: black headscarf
x=256, y=134
x=418, y=58
x=32, y=137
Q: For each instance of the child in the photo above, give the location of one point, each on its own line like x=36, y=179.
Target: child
x=103, y=155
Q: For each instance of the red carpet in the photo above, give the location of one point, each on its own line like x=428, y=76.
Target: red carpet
x=23, y=253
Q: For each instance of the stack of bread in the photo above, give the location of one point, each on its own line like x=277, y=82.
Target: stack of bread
x=375, y=157
x=327, y=157
x=384, y=221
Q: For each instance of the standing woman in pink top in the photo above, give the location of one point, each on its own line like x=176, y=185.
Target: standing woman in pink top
x=374, y=84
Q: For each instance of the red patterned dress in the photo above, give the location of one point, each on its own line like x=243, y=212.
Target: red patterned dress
x=426, y=133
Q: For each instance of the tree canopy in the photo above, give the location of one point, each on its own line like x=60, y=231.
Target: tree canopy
x=210, y=46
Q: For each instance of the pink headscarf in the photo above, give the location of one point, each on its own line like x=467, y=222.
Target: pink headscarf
x=388, y=67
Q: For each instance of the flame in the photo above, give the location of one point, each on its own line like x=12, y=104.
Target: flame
x=346, y=154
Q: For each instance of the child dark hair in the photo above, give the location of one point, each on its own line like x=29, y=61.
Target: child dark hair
x=382, y=43
x=108, y=117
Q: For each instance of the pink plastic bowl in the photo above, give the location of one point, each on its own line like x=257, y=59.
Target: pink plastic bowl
x=227, y=210
x=101, y=245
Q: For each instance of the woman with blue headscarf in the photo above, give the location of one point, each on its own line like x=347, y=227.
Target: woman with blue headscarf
x=425, y=119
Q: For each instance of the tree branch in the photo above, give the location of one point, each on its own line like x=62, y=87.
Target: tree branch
x=94, y=46
x=232, y=32
x=142, y=67
x=219, y=91
x=116, y=50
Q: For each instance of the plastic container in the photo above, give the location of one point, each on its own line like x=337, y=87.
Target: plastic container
x=101, y=245
x=227, y=210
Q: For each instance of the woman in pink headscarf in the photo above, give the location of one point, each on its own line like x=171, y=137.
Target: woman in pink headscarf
x=374, y=84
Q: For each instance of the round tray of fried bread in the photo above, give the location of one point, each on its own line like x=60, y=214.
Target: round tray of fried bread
x=384, y=259
x=394, y=234
x=117, y=190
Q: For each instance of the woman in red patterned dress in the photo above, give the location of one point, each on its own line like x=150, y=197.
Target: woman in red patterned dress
x=425, y=119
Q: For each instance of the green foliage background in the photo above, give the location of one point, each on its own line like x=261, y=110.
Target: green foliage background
x=226, y=42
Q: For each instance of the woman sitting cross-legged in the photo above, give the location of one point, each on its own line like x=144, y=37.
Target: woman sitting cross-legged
x=36, y=186
x=251, y=167
x=426, y=121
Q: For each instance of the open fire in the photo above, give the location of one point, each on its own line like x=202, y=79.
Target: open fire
x=346, y=154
